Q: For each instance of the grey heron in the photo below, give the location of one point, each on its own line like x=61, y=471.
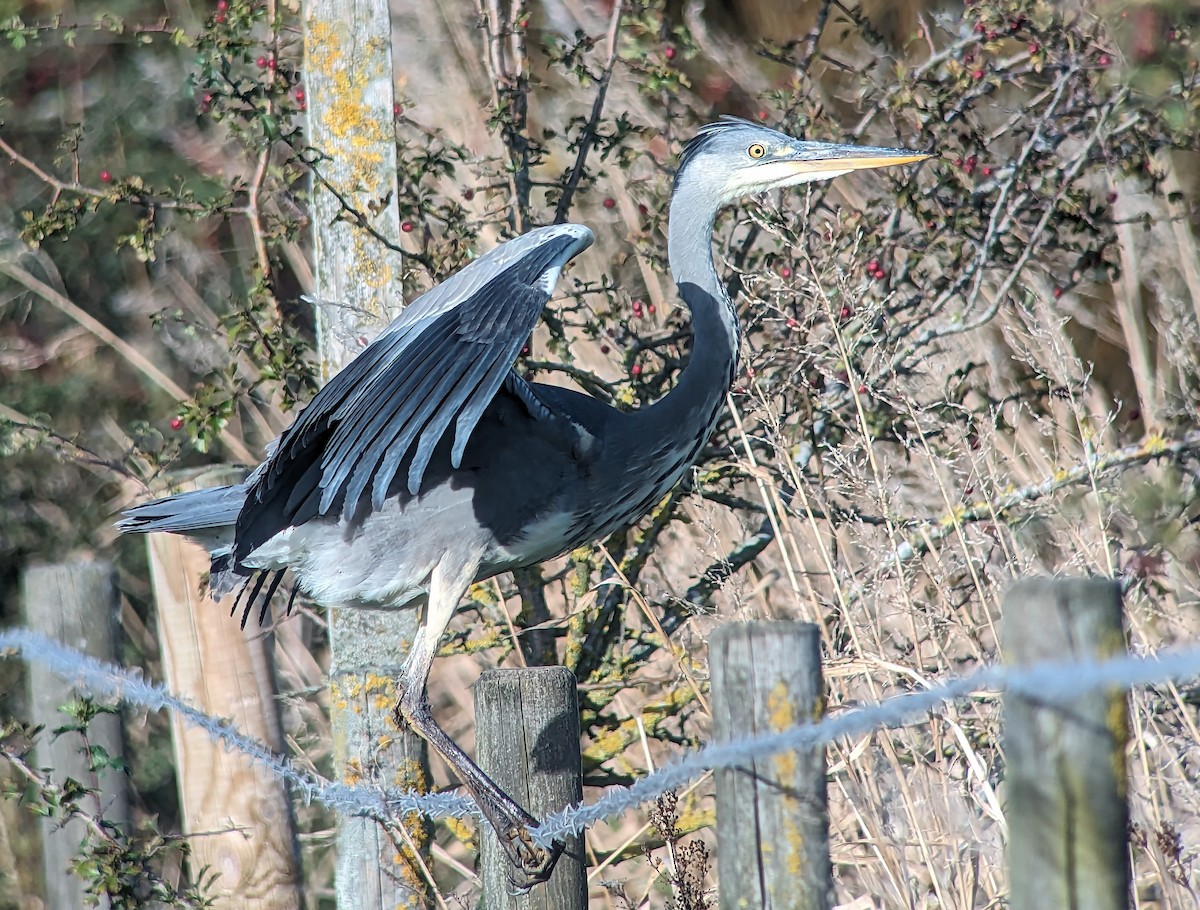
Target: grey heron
x=428, y=464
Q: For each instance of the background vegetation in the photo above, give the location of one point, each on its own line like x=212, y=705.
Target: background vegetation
x=982, y=368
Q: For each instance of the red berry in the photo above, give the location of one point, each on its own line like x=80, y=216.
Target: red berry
x=604, y=349
x=785, y=272
x=219, y=17
x=176, y=423
x=1111, y=197
x=650, y=308
x=845, y=313
x=669, y=53
x=1058, y=292
x=862, y=390
x=980, y=28
x=977, y=75
x=986, y=171
x=1034, y=48
x=407, y=227
x=222, y=4
x=637, y=309
x=261, y=62
x=991, y=35
x=1104, y=60
x=642, y=210
x=762, y=115
x=792, y=323
x=609, y=202
x=1135, y=414
x=299, y=94
x=272, y=63
x=873, y=265
x=468, y=194
x=105, y=176
x=397, y=110
x=636, y=369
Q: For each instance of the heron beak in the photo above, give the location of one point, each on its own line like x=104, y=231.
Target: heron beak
x=834, y=160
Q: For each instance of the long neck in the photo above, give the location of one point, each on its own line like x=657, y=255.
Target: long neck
x=656, y=445
x=712, y=364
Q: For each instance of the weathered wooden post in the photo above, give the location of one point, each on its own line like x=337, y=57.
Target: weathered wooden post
x=348, y=78
x=76, y=604
x=240, y=808
x=772, y=815
x=527, y=740
x=1068, y=819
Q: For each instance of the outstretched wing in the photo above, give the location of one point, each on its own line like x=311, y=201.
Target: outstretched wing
x=439, y=363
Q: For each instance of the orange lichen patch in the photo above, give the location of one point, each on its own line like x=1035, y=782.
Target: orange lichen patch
x=462, y=831
x=410, y=775
x=345, y=687
x=353, y=773
x=1117, y=722
x=781, y=708
x=377, y=682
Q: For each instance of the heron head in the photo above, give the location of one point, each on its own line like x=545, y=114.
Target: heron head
x=732, y=158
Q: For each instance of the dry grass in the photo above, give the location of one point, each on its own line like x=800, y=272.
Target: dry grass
x=909, y=446
x=985, y=481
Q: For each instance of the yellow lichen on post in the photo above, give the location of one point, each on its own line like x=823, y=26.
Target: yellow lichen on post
x=772, y=819
x=356, y=231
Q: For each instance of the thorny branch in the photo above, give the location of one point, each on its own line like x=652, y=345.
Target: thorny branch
x=508, y=66
x=589, y=132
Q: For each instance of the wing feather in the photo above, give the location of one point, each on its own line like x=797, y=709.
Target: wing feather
x=440, y=363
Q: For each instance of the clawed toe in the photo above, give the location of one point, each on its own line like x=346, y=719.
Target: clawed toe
x=530, y=864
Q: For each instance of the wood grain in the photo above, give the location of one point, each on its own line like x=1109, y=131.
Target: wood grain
x=527, y=724
x=236, y=813
x=1068, y=818
x=74, y=603
x=772, y=815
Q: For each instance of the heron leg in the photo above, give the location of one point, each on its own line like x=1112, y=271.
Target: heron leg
x=532, y=864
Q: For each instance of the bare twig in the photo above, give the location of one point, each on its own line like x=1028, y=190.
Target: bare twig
x=589, y=131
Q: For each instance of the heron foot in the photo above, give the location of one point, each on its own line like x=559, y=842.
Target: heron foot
x=530, y=864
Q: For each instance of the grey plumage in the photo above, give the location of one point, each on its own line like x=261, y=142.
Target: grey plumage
x=427, y=463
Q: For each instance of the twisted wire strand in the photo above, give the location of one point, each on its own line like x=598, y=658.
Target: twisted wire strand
x=1049, y=681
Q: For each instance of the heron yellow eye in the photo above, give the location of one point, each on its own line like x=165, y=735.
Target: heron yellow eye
x=757, y=150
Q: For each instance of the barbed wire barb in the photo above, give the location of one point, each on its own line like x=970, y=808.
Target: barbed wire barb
x=1056, y=680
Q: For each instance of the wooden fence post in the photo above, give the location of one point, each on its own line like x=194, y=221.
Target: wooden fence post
x=527, y=740
x=772, y=815
x=240, y=809
x=73, y=603
x=348, y=78
x=1068, y=819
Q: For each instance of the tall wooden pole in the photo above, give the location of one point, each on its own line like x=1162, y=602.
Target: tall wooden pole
x=348, y=79
x=75, y=604
x=1068, y=818
x=772, y=814
x=240, y=809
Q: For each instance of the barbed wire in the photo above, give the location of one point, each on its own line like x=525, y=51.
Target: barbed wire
x=1048, y=681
